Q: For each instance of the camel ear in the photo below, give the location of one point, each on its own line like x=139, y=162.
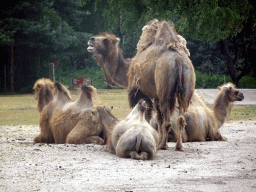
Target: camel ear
x=116, y=41
x=219, y=88
x=38, y=86
x=112, y=107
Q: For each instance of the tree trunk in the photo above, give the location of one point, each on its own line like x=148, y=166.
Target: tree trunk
x=231, y=63
x=12, y=68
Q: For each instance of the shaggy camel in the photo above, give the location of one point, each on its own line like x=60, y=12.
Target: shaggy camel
x=132, y=137
x=202, y=123
x=61, y=97
x=76, y=122
x=43, y=92
x=161, y=70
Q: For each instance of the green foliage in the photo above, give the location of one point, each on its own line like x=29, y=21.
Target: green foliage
x=95, y=73
x=206, y=80
x=248, y=82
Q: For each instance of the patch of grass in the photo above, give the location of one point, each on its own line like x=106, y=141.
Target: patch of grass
x=22, y=109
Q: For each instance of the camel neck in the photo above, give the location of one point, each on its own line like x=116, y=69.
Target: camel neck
x=221, y=108
x=116, y=68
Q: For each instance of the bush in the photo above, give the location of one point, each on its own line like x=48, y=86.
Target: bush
x=204, y=80
x=247, y=82
x=89, y=72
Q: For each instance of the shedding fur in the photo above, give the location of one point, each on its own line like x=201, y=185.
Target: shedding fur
x=61, y=97
x=77, y=122
x=203, y=124
x=133, y=137
x=160, y=71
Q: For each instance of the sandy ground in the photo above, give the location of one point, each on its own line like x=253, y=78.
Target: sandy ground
x=204, y=166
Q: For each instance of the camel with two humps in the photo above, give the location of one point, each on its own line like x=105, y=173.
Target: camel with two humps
x=161, y=70
x=61, y=97
x=77, y=122
x=202, y=123
x=132, y=137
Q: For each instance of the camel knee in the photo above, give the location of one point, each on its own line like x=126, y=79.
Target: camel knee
x=43, y=139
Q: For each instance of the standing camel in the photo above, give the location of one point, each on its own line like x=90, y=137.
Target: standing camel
x=202, y=123
x=161, y=70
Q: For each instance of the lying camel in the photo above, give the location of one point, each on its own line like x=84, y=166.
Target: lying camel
x=202, y=123
x=61, y=97
x=132, y=137
x=161, y=70
x=76, y=122
x=43, y=92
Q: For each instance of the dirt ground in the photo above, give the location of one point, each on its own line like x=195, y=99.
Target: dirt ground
x=204, y=166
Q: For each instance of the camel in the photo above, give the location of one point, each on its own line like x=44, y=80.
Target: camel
x=43, y=92
x=132, y=137
x=203, y=124
x=77, y=122
x=161, y=70
x=61, y=97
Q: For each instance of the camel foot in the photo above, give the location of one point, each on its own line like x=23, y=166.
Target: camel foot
x=180, y=149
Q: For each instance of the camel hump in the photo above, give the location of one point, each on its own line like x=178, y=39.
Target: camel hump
x=89, y=90
x=142, y=106
x=58, y=86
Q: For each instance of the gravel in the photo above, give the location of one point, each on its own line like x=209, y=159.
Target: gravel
x=204, y=166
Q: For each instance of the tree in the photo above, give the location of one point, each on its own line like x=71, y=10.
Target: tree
x=196, y=19
x=38, y=33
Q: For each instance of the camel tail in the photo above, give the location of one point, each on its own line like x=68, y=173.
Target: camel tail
x=138, y=142
x=180, y=88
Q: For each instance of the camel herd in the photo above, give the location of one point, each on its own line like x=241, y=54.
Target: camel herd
x=160, y=81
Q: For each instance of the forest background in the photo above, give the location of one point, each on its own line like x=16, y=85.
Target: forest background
x=35, y=34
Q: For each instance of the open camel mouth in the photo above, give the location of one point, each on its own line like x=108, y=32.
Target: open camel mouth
x=91, y=47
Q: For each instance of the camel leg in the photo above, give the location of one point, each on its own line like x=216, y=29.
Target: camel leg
x=182, y=124
x=95, y=140
x=162, y=128
x=44, y=138
x=82, y=134
x=46, y=135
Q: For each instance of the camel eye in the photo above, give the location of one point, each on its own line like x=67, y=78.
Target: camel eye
x=105, y=41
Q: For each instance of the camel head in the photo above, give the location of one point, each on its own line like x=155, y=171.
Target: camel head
x=231, y=91
x=40, y=85
x=103, y=44
x=105, y=116
x=43, y=92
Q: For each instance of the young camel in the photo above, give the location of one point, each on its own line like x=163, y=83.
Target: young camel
x=61, y=97
x=43, y=92
x=132, y=137
x=202, y=123
x=76, y=122
x=161, y=70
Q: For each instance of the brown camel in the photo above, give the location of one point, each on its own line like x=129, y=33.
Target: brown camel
x=161, y=70
x=132, y=137
x=202, y=123
x=43, y=92
x=76, y=122
x=61, y=97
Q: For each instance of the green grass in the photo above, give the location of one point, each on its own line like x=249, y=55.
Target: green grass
x=22, y=109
